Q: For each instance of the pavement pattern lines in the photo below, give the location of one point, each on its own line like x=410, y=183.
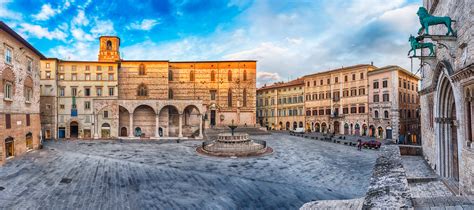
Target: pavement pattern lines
x=151, y=175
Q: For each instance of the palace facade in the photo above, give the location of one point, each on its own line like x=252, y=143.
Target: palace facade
x=112, y=97
x=447, y=97
x=357, y=100
x=19, y=94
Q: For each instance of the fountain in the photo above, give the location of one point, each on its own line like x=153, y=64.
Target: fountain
x=234, y=145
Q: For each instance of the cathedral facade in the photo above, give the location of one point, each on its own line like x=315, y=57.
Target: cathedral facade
x=159, y=99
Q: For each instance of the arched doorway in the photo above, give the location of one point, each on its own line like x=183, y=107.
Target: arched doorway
x=364, y=130
x=300, y=124
x=323, y=127
x=123, y=131
x=287, y=126
x=280, y=125
x=145, y=119
x=138, y=132
x=295, y=125
x=336, y=127
x=105, y=131
x=169, y=121
x=74, y=129
x=124, y=122
x=317, y=127
x=9, y=147
x=447, y=130
x=389, y=133
x=357, y=129
x=371, y=131
x=380, y=134
x=346, y=129
x=192, y=120
x=29, y=141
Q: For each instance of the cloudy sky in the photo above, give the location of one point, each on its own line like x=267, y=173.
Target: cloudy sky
x=288, y=38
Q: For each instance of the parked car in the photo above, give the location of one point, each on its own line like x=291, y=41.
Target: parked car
x=298, y=130
x=372, y=144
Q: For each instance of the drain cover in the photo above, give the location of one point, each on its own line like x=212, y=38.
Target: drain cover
x=65, y=180
x=1, y=188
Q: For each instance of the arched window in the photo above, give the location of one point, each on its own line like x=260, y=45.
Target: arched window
x=141, y=69
x=170, y=75
x=191, y=76
x=229, y=98
x=385, y=114
x=170, y=94
x=376, y=114
x=229, y=75
x=245, y=75
x=244, y=103
x=142, y=90
x=109, y=45
x=213, y=76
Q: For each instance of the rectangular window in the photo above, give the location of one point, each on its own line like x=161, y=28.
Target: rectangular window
x=61, y=68
x=88, y=68
x=328, y=111
x=88, y=76
x=361, y=75
x=74, y=77
x=61, y=106
x=99, y=68
x=362, y=91
x=48, y=75
x=87, y=91
x=8, y=55
x=111, y=91
x=73, y=68
x=27, y=119
x=353, y=110
x=353, y=77
x=345, y=78
x=73, y=91
x=321, y=112
x=61, y=76
x=111, y=76
x=99, y=91
x=385, y=97
x=336, y=80
x=111, y=68
x=29, y=64
x=376, y=97
x=361, y=109
x=48, y=65
x=384, y=84
x=28, y=94
x=99, y=76
x=376, y=85
x=213, y=95
x=61, y=91
x=345, y=110
x=8, y=121
x=106, y=114
x=87, y=105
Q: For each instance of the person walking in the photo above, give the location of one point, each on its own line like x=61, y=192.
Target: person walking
x=359, y=144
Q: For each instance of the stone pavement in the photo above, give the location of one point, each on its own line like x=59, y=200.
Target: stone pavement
x=151, y=175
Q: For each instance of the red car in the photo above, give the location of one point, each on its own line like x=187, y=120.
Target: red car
x=372, y=144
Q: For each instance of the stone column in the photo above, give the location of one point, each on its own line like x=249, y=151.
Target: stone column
x=131, y=125
x=180, y=126
x=157, y=127
x=200, y=126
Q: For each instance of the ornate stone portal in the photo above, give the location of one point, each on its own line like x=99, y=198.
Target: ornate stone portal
x=234, y=145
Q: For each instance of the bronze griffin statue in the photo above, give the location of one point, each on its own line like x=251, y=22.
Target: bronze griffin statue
x=427, y=20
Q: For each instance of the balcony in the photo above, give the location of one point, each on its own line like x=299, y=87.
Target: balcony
x=336, y=116
x=336, y=99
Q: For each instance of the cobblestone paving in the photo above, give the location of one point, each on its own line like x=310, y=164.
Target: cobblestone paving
x=114, y=175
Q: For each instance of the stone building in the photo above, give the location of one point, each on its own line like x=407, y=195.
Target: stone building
x=446, y=96
x=19, y=94
x=394, y=104
x=336, y=101
x=281, y=106
x=113, y=97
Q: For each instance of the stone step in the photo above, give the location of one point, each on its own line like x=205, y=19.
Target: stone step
x=443, y=201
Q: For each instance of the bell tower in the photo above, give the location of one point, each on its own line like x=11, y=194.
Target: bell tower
x=109, y=49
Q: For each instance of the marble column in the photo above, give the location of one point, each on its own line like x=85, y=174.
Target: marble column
x=180, y=126
x=200, y=126
x=157, y=127
x=131, y=125
x=96, y=124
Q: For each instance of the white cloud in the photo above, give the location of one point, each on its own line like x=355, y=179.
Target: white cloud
x=80, y=35
x=144, y=25
x=80, y=19
x=6, y=13
x=103, y=27
x=46, y=12
x=76, y=51
x=39, y=32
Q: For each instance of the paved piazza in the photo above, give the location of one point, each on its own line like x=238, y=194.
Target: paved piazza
x=144, y=175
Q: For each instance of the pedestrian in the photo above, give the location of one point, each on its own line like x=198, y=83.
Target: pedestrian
x=359, y=144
